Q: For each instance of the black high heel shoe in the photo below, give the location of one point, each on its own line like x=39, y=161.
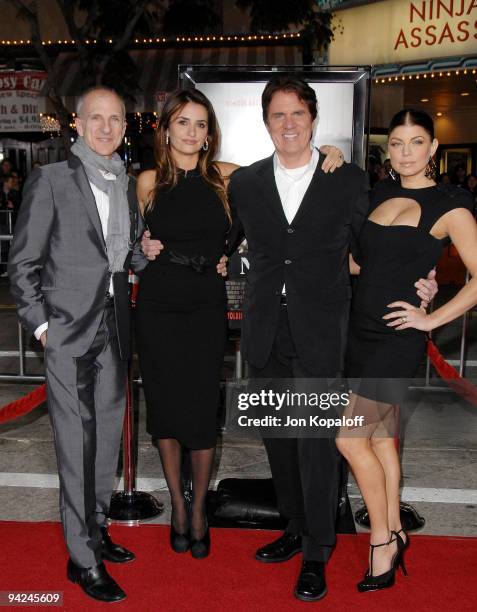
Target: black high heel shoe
x=402, y=545
x=201, y=548
x=180, y=542
x=405, y=544
x=386, y=580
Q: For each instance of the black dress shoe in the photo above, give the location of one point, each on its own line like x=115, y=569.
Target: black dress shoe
x=311, y=584
x=282, y=549
x=95, y=582
x=113, y=552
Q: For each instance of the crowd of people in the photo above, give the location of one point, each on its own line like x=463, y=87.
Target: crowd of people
x=10, y=200
x=10, y=187
x=310, y=222
x=456, y=176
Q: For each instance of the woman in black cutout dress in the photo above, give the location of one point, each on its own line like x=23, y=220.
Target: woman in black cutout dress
x=180, y=315
x=387, y=327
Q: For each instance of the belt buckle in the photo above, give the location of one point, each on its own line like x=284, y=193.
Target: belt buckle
x=283, y=299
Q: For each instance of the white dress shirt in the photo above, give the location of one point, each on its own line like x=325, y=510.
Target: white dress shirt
x=292, y=184
x=102, y=204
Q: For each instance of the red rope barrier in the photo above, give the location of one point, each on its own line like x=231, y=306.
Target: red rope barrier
x=23, y=405
x=462, y=386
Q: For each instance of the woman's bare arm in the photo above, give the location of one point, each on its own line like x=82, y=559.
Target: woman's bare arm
x=144, y=187
x=460, y=226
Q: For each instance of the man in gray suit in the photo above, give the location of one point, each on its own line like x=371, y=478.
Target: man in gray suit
x=68, y=270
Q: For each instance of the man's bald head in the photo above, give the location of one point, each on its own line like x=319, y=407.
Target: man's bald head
x=99, y=89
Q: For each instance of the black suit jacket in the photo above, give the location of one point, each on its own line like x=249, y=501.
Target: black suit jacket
x=310, y=256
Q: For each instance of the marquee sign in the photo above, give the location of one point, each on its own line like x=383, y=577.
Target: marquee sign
x=396, y=31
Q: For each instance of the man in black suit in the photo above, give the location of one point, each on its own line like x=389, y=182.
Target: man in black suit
x=299, y=222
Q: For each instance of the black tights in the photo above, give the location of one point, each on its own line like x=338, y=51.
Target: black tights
x=170, y=451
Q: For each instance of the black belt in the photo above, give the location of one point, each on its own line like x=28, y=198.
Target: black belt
x=199, y=263
x=283, y=299
x=109, y=300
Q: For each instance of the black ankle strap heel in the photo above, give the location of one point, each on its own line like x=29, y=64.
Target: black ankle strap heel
x=399, y=560
x=386, y=580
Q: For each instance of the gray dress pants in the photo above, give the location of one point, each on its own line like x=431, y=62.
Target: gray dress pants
x=86, y=401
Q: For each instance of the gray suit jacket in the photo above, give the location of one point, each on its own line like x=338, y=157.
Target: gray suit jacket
x=58, y=266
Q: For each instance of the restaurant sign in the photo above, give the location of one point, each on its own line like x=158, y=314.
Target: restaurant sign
x=20, y=100
x=404, y=31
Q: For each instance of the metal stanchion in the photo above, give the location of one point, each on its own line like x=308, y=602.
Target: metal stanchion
x=428, y=359
x=10, y=222
x=130, y=506
x=238, y=360
x=21, y=351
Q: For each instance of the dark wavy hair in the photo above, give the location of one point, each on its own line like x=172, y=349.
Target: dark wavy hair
x=166, y=169
x=412, y=116
x=292, y=84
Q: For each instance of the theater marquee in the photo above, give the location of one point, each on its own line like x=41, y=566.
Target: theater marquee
x=404, y=31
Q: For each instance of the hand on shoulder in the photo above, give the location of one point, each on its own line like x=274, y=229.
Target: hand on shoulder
x=226, y=169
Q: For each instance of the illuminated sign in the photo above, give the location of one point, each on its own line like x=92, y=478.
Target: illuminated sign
x=20, y=100
x=404, y=31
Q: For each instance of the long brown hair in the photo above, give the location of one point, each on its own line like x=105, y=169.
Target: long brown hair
x=166, y=169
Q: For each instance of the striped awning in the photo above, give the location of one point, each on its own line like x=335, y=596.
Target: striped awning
x=158, y=68
x=466, y=62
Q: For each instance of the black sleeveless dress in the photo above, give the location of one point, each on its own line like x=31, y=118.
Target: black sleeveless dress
x=181, y=314
x=392, y=259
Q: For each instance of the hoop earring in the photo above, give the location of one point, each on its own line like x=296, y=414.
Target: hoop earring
x=205, y=146
x=167, y=137
x=431, y=169
x=393, y=174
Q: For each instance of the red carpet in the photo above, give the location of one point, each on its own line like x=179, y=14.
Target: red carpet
x=442, y=573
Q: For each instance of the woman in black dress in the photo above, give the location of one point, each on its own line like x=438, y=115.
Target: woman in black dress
x=410, y=220
x=181, y=320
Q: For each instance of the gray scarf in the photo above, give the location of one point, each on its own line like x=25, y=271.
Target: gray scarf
x=118, y=237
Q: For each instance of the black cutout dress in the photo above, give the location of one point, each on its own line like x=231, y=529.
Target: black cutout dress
x=392, y=259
